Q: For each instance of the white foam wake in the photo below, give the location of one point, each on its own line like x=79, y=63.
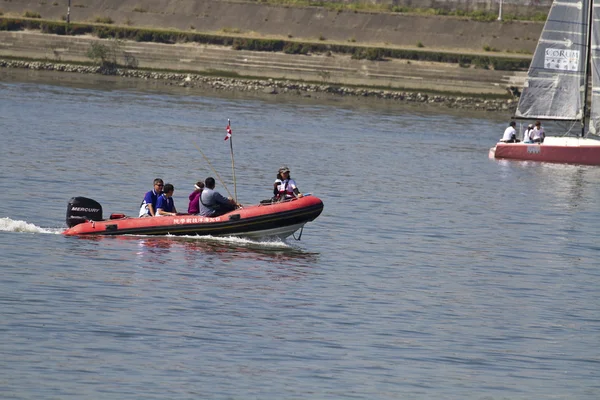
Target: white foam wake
x=240, y=241
x=9, y=225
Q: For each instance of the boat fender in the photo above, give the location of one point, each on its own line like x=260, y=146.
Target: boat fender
x=82, y=209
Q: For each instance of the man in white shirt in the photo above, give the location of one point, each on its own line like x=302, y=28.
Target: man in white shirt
x=538, y=134
x=510, y=133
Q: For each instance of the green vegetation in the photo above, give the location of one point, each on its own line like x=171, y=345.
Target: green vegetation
x=31, y=14
x=324, y=75
x=419, y=44
x=104, y=56
x=104, y=20
x=140, y=10
x=231, y=30
x=222, y=73
x=371, y=54
x=295, y=48
x=274, y=45
x=98, y=53
x=489, y=48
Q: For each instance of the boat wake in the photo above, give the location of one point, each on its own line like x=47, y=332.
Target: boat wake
x=10, y=225
x=274, y=243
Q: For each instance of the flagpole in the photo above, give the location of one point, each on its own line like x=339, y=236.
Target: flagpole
x=211, y=167
x=232, y=161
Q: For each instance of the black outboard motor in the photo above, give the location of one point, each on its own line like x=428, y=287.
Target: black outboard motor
x=82, y=209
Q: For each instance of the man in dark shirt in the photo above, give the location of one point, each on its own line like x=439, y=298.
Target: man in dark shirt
x=213, y=203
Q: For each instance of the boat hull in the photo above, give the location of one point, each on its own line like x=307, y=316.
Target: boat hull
x=278, y=220
x=554, y=150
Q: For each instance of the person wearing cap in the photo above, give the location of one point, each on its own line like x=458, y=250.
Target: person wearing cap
x=538, y=134
x=213, y=203
x=148, y=206
x=285, y=187
x=165, y=206
x=527, y=134
x=194, y=197
x=510, y=133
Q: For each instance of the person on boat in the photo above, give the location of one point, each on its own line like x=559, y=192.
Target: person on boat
x=276, y=184
x=510, y=134
x=538, y=134
x=194, y=197
x=284, y=187
x=527, y=134
x=148, y=206
x=165, y=206
x=213, y=203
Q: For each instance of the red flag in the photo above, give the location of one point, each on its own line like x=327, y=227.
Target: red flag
x=228, y=132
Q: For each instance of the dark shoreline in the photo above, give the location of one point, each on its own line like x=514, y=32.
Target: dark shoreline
x=272, y=86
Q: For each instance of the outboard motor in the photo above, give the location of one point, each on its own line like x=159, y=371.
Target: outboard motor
x=82, y=209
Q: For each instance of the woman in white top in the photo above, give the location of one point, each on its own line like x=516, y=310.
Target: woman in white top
x=285, y=187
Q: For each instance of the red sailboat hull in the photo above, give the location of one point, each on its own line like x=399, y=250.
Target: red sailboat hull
x=573, y=151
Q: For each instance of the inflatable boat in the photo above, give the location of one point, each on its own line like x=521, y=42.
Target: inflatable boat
x=263, y=221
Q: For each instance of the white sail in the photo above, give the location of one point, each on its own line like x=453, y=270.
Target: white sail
x=594, y=127
x=556, y=80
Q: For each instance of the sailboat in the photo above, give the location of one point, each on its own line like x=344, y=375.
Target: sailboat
x=556, y=88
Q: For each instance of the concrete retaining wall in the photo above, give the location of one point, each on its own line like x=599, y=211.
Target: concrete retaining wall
x=327, y=69
x=315, y=24
x=516, y=7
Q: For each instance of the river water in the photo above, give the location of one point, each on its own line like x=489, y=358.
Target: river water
x=433, y=272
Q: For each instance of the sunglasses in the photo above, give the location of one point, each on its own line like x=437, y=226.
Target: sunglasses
x=160, y=185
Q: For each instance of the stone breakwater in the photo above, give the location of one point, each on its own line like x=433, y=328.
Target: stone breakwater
x=271, y=86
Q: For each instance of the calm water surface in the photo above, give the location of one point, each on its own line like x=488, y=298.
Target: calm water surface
x=432, y=273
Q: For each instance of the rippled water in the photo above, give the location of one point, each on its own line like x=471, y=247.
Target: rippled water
x=433, y=271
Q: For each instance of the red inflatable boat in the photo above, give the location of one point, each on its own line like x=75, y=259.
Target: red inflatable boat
x=277, y=220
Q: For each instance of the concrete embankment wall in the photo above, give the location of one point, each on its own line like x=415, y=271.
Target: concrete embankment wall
x=446, y=34
x=327, y=69
x=309, y=23
x=515, y=7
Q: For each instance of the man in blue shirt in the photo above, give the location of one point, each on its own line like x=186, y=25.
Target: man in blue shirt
x=148, y=206
x=213, y=203
x=165, y=206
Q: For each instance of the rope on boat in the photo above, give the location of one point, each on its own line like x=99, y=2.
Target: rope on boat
x=300, y=235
